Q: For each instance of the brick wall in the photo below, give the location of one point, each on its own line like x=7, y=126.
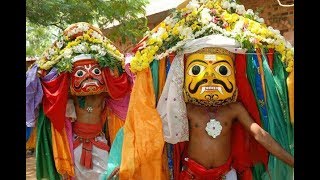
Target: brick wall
x=281, y=18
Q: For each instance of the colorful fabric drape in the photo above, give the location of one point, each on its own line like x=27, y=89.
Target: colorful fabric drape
x=69, y=136
x=55, y=100
x=280, y=76
x=28, y=132
x=253, y=75
x=162, y=76
x=119, y=106
x=270, y=56
x=155, y=77
x=114, y=159
x=254, y=153
x=31, y=143
x=45, y=166
x=117, y=87
x=34, y=95
x=143, y=137
x=279, y=125
x=114, y=124
x=168, y=64
x=290, y=85
x=61, y=152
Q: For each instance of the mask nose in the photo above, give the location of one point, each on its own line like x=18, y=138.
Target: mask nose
x=210, y=74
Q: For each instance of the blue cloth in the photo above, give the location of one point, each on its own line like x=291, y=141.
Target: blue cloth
x=28, y=132
x=254, y=77
x=167, y=65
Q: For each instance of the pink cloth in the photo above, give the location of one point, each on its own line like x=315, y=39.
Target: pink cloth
x=68, y=126
x=119, y=107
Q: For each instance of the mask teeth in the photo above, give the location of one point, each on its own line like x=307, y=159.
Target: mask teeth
x=211, y=88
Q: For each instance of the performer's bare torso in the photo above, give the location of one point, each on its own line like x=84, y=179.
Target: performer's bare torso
x=204, y=149
x=95, y=103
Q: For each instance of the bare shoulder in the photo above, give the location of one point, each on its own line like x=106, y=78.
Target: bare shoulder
x=236, y=106
x=236, y=109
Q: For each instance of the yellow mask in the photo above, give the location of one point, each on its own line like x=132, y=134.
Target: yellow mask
x=210, y=77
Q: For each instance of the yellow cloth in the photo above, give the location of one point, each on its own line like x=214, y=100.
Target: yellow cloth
x=143, y=144
x=290, y=85
x=61, y=152
x=114, y=124
x=31, y=143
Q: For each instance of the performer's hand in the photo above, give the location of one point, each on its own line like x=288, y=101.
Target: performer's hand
x=41, y=73
x=114, y=173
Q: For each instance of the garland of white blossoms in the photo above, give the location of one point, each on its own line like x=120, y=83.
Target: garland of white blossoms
x=204, y=17
x=82, y=38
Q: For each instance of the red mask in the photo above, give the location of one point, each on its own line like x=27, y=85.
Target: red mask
x=87, y=78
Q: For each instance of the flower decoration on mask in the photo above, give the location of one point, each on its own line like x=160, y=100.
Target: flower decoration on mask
x=81, y=38
x=206, y=17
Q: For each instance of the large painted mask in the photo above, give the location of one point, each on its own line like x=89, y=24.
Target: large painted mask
x=87, y=78
x=210, y=77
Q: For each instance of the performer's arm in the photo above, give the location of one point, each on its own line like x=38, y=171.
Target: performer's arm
x=263, y=137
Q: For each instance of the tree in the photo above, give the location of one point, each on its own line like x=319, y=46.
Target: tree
x=128, y=17
x=39, y=38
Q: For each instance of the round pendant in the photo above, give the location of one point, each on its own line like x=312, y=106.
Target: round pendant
x=89, y=109
x=213, y=128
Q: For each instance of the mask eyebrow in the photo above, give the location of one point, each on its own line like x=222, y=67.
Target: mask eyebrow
x=222, y=61
x=197, y=60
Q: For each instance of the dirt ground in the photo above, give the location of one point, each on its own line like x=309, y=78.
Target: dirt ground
x=31, y=168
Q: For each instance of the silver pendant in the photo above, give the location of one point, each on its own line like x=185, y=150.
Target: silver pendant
x=213, y=128
x=89, y=109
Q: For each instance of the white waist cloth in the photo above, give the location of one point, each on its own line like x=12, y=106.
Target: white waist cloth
x=231, y=175
x=99, y=160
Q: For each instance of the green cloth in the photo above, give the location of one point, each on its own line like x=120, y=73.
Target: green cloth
x=114, y=159
x=278, y=117
x=45, y=166
x=280, y=76
x=155, y=77
x=254, y=77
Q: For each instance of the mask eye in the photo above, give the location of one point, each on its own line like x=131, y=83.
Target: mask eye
x=196, y=70
x=80, y=73
x=223, y=70
x=96, y=71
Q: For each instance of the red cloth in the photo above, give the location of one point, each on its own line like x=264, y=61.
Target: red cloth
x=179, y=153
x=86, y=136
x=270, y=58
x=196, y=171
x=245, y=150
x=55, y=100
x=117, y=87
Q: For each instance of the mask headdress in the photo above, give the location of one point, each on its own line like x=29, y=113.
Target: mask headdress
x=81, y=39
x=95, y=64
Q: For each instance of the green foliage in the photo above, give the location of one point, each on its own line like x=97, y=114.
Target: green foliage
x=62, y=13
x=38, y=38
